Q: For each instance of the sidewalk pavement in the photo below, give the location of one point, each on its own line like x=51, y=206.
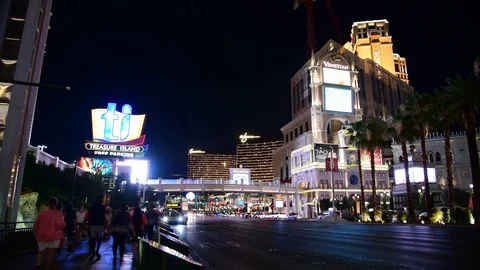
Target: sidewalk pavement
x=78, y=260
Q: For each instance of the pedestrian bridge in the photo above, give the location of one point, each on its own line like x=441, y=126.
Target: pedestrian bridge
x=186, y=185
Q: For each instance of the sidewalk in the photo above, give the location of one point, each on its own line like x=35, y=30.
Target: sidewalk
x=78, y=260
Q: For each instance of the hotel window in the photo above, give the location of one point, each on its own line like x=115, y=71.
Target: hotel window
x=362, y=33
x=340, y=184
x=291, y=137
x=286, y=137
x=336, y=184
x=296, y=132
x=381, y=30
x=306, y=126
x=301, y=130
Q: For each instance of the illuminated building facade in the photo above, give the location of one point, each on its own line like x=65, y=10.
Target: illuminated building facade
x=372, y=40
x=258, y=157
x=436, y=169
x=206, y=166
x=339, y=85
x=24, y=27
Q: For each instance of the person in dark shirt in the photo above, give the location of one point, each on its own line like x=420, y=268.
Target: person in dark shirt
x=152, y=221
x=121, y=229
x=71, y=222
x=96, y=223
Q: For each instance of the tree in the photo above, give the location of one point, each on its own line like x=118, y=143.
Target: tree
x=446, y=118
x=421, y=110
x=358, y=138
x=49, y=181
x=377, y=136
x=463, y=97
x=403, y=130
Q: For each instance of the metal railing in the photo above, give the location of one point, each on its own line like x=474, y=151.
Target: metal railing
x=7, y=228
x=220, y=182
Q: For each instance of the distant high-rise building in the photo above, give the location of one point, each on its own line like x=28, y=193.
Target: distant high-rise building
x=209, y=166
x=258, y=157
x=24, y=27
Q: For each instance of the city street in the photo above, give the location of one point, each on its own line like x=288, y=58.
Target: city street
x=221, y=243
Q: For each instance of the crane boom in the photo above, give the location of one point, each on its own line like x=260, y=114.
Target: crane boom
x=311, y=37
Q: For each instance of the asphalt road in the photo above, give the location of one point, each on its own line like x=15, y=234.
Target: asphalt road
x=230, y=243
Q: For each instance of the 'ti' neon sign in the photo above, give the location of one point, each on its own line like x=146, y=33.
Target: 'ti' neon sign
x=111, y=118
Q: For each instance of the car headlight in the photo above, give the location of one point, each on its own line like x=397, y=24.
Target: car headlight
x=180, y=219
x=165, y=219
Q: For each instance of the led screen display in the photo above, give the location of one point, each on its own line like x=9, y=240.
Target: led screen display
x=338, y=99
x=416, y=175
x=101, y=166
x=136, y=169
x=336, y=76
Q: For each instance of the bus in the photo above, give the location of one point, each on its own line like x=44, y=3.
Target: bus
x=173, y=202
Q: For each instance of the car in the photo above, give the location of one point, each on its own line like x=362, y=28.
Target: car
x=292, y=216
x=174, y=218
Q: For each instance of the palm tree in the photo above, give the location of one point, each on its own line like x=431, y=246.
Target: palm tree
x=358, y=139
x=420, y=106
x=403, y=130
x=446, y=118
x=463, y=97
x=377, y=136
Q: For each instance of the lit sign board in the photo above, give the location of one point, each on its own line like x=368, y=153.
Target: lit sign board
x=193, y=151
x=338, y=99
x=116, y=150
x=416, y=175
x=101, y=166
x=245, y=137
x=117, y=134
x=334, y=65
x=110, y=125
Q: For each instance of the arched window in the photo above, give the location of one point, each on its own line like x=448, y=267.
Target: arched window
x=438, y=157
x=336, y=184
x=430, y=158
x=340, y=184
x=321, y=183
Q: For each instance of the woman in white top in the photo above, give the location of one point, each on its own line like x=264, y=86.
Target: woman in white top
x=81, y=213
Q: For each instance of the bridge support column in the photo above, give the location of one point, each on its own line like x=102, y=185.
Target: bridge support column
x=296, y=204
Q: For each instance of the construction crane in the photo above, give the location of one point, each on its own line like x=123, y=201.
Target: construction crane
x=309, y=10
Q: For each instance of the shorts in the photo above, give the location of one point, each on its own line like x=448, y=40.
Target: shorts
x=52, y=244
x=97, y=231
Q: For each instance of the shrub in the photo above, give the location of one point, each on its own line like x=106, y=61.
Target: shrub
x=437, y=216
x=366, y=217
x=402, y=216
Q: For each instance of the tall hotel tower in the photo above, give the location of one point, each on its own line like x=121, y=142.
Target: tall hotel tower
x=209, y=166
x=24, y=26
x=340, y=85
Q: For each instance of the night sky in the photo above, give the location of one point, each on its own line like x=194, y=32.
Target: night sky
x=205, y=71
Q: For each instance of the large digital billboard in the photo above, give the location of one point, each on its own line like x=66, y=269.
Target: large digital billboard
x=336, y=76
x=338, y=99
x=101, y=166
x=117, y=134
x=136, y=169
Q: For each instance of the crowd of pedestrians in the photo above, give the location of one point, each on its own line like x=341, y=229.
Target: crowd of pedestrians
x=59, y=227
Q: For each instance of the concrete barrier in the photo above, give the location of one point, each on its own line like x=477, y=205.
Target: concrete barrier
x=171, y=233
x=155, y=256
x=174, y=243
x=165, y=226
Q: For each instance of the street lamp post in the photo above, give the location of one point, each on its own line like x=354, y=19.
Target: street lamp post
x=75, y=163
x=332, y=148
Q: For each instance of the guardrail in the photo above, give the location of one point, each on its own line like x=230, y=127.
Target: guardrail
x=217, y=182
